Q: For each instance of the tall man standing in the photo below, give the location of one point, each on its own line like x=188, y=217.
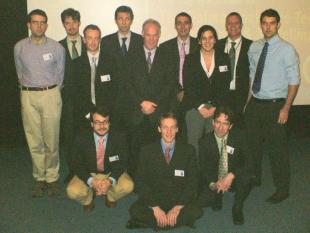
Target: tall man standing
x=175, y=51
x=237, y=46
x=74, y=46
x=40, y=64
x=274, y=72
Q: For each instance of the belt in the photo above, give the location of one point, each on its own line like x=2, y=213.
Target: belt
x=38, y=88
x=268, y=100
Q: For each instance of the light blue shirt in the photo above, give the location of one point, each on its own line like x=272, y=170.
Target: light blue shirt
x=281, y=67
x=164, y=146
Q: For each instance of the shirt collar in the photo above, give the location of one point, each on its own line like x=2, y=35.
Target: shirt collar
x=120, y=36
x=187, y=41
x=220, y=139
x=273, y=40
x=78, y=40
x=90, y=55
x=237, y=40
x=147, y=50
x=97, y=137
x=164, y=146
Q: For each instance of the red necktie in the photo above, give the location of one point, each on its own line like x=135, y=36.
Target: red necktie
x=167, y=155
x=100, y=155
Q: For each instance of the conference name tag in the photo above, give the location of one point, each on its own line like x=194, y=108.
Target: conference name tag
x=113, y=158
x=179, y=173
x=223, y=68
x=105, y=78
x=229, y=149
x=47, y=56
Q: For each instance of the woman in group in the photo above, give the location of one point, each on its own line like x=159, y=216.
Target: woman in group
x=206, y=84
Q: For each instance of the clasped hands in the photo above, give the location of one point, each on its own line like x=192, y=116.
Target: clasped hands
x=167, y=219
x=101, y=186
x=223, y=185
x=148, y=107
x=207, y=112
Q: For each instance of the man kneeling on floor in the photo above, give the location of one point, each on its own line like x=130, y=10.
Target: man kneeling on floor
x=99, y=163
x=225, y=165
x=167, y=181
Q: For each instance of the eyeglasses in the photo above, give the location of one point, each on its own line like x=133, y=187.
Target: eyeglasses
x=99, y=123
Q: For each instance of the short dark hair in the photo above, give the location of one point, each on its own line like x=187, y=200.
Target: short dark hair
x=101, y=110
x=270, y=13
x=91, y=27
x=183, y=14
x=124, y=9
x=36, y=12
x=205, y=28
x=70, y=12
x=234, y=14
x=226, y=111
x=166, y=116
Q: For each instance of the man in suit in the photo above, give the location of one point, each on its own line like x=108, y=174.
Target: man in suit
x=95, y=82
x=167, y=182
x=99, y=164
x=74, y=46
x=119, y=47
x=225, y=165
x=175, y=51
x=237, y=47
x=149, y=90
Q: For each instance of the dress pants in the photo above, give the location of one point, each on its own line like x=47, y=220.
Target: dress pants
x=262, y=126
x=141, y=212
x=41, y=112
x=78, y=190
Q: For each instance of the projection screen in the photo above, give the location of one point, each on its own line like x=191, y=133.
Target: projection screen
x=295, y=21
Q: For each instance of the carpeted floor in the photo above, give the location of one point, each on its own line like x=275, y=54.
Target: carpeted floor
x=19, y=213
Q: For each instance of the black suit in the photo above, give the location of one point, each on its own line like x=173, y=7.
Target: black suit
x=67, y=118
x=111, y=48
x=239, y=163
x=84, y=155
x=105, y=91
x=238, y=97
x=170, y=50
x=155, y=86
x=199, y=89
x=159, y=185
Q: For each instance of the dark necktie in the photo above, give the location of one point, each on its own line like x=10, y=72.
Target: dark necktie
x=92, y=79
x=74, y=51
x=124, y=48
x=260, y=69
x=149, y=61
x=232, y=56
x=167, y=155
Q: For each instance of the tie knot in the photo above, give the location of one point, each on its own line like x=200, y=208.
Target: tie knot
x=149, y=53
x=167, y=150
x=266, y=44
x=73, y=42
x=233, y=43
x=124, y=39
x=101, y=140
x=93, y=60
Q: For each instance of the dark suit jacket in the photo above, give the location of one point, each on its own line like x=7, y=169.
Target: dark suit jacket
x=84, y=155
x=198, y=88
x=155, y=86
x=239, y=163
x=171, y=52
x=111, y=48
x=156, y=181
x=242, y=68
x=105, y=91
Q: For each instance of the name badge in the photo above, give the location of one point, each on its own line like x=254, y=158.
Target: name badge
x=105, y=78
x=113, y=158
x=87, y=116
x=229, y=149
x=47, y=56
x=180, y=173
x=223, y=68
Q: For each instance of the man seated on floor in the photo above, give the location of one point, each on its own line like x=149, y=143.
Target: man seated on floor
x=167, y=181
x=100, y=162
x=225, y=165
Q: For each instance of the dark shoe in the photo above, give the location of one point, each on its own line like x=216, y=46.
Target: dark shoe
x=38, y=189
x=110, y=204
x=278, y=197
x=134, y=224
x=237, y=215
x=53, y=189
x=88, y=208
x=68, y=178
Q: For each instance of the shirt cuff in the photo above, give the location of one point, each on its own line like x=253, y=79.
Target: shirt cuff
x=201, y=106
x=90, y=181
x=113, y=181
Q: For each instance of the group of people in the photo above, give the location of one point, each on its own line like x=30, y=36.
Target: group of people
x=180, y=123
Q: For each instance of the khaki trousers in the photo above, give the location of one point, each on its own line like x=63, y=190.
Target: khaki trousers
x=41, y=112
x=79, y=191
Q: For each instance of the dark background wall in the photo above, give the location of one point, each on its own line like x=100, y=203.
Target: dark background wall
x=13, y=15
